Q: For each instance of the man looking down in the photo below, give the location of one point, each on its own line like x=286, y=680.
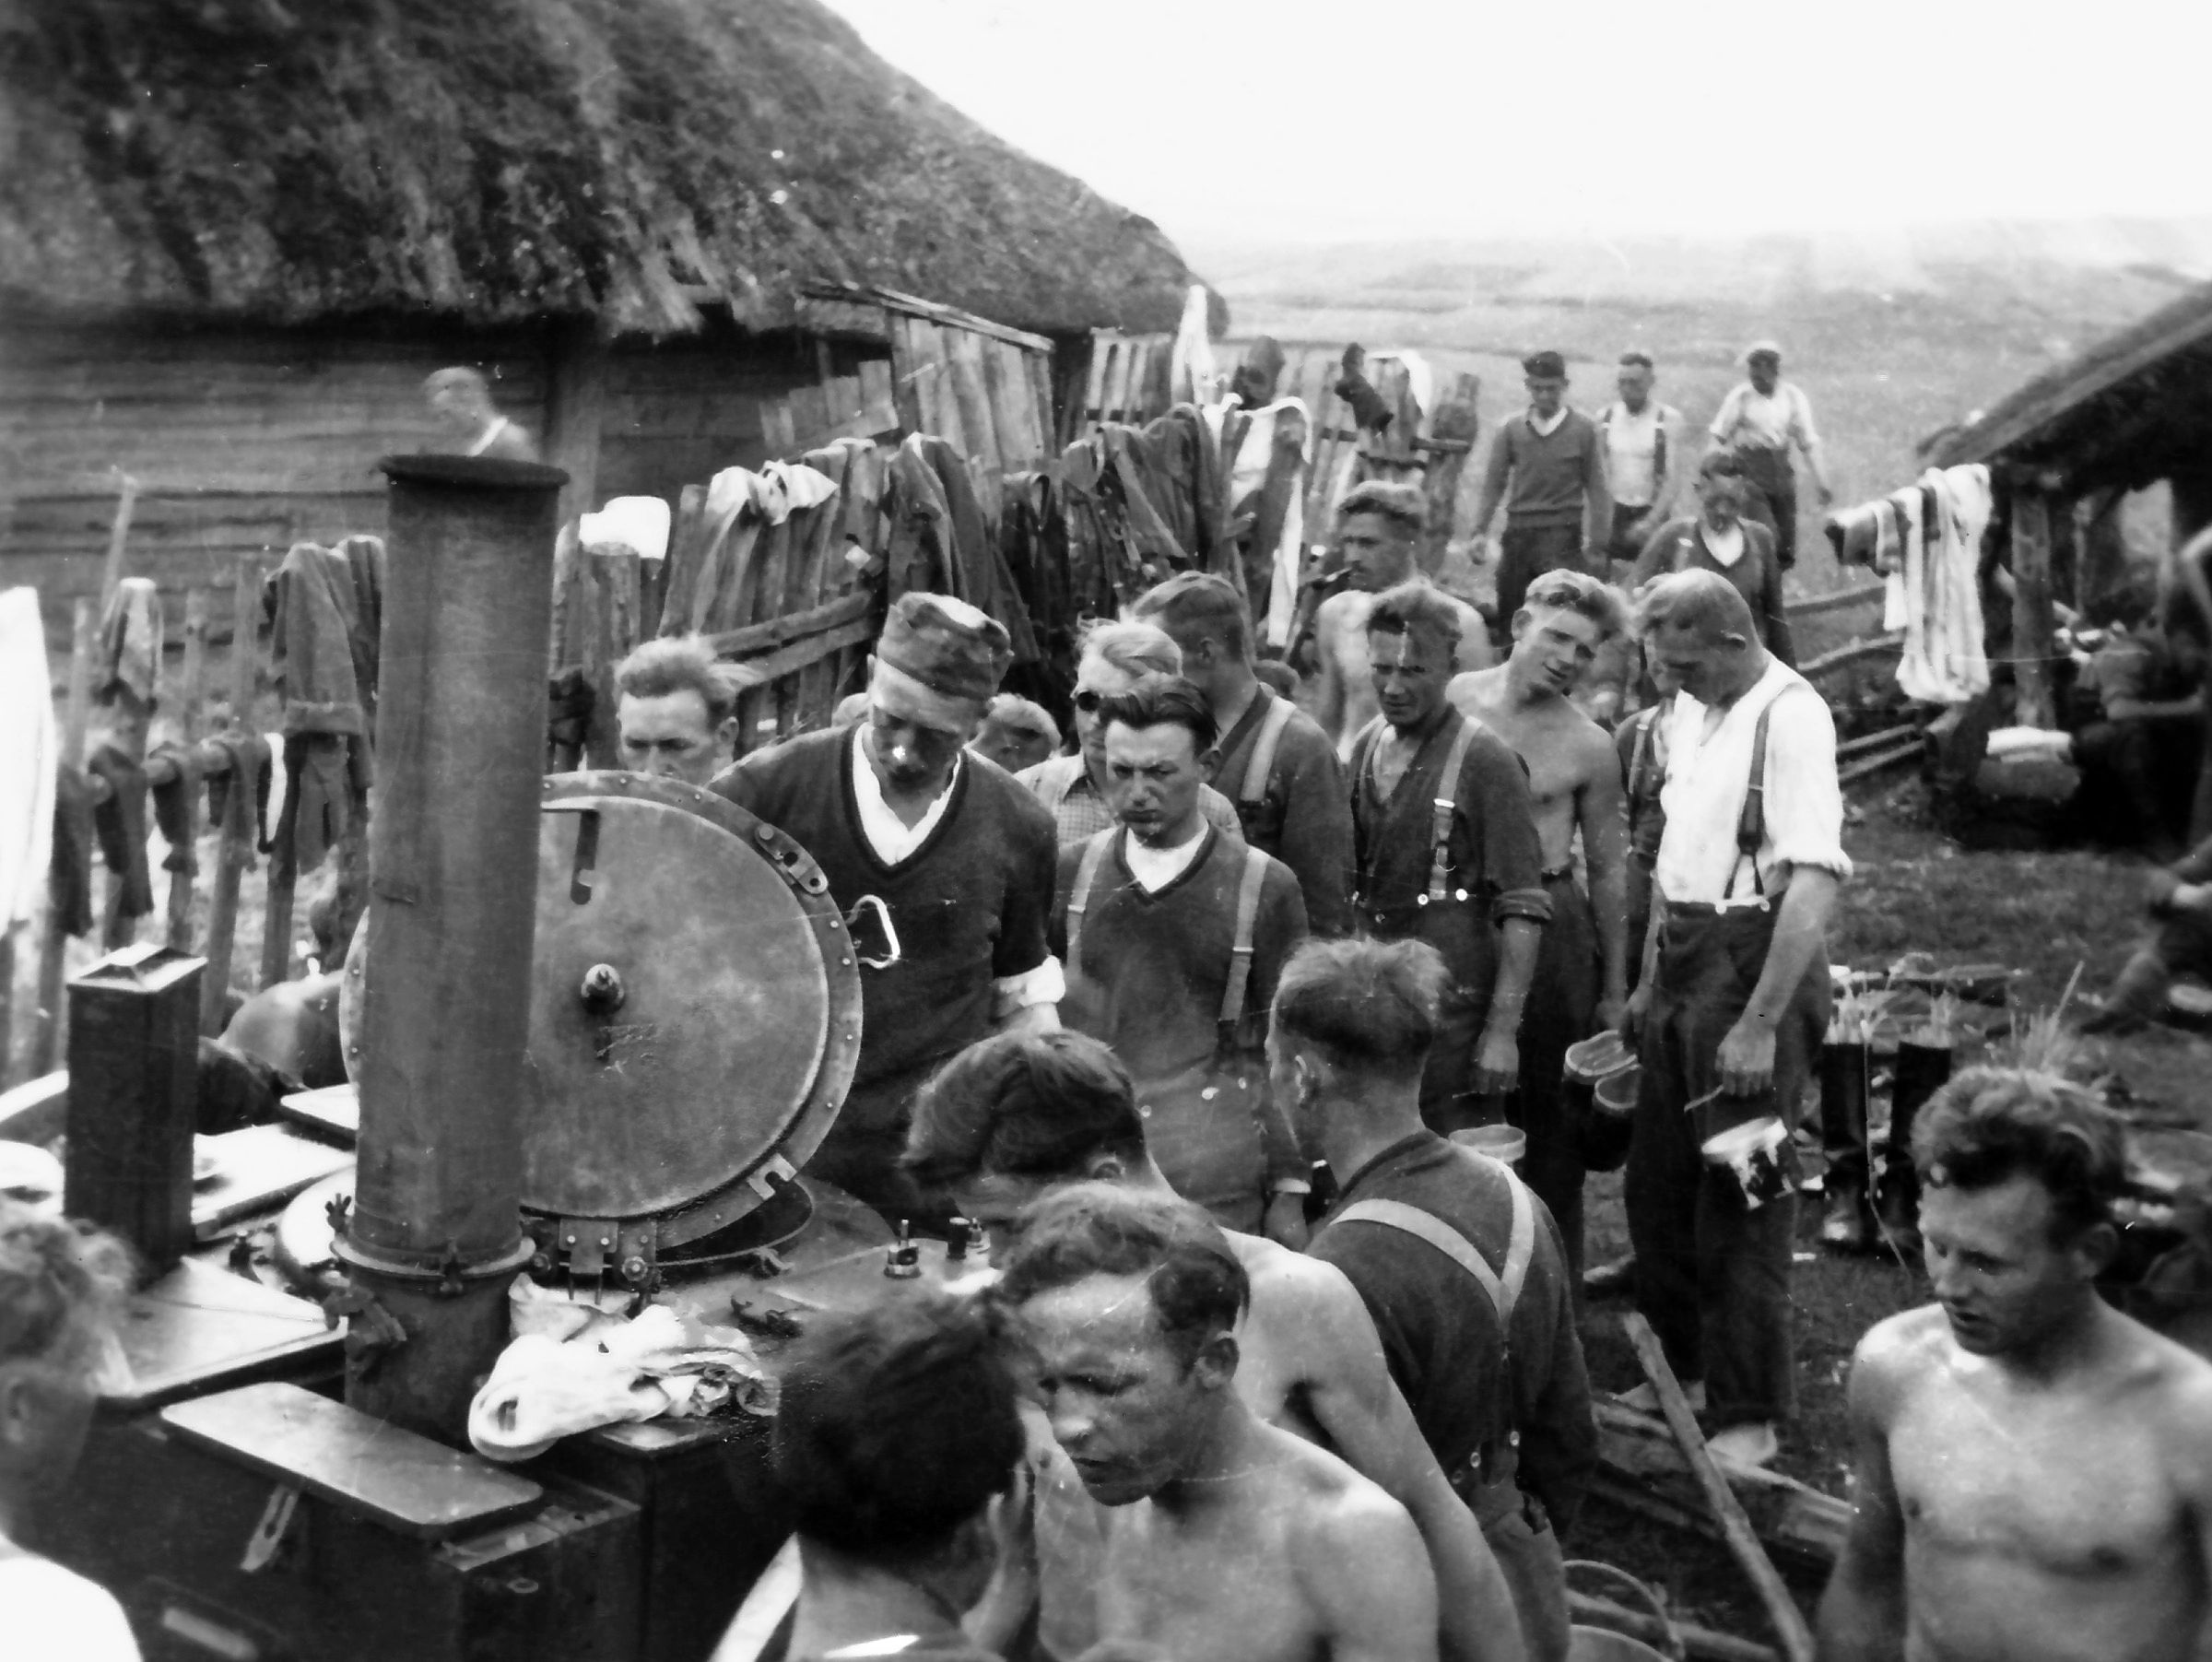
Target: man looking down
x=2033, y=1469
x=1015, y=1117
x=1225, y=1538
x=676, y=714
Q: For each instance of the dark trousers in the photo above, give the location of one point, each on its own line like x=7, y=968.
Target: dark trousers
x=1449, y=1102
x=1527, y=1549
x=1630, y=527
x=1712, y=1276
x=861, y=1153
x=1562, y=1002
x=1525, y=554
x=2128, y=767
x=1772, y=499
x=2181, y=942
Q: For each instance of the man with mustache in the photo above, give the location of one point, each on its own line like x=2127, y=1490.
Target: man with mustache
x=2033, y=1469
x=1581, y=980
x=960, y=856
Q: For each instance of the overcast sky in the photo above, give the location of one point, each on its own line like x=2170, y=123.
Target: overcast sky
x=1389, y=118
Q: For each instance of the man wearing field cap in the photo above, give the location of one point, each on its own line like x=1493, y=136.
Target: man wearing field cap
x=1759, y=420
x=1547, y=466
x=960, y=856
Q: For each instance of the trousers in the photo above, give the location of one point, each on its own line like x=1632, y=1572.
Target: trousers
x=1527, y=1549
x=1526, y=553
x=1562, y=1002
x=1712, y=1274
x=1772, y=497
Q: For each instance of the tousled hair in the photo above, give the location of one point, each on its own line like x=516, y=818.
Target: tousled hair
x=1204, y=603
x=1722, y=465
x=679, y=664
x=1037, y=1105
x=1133, y=648
x=1639, y=360
x=1198, y=1287
x=1415, y=609
x=1366, y=1005
x=459, y=374
x=895, y=1425
x=1990, y=1124
x=60, y=1282
x=1400, y=503
x=1577, y=592
x=1160, y=700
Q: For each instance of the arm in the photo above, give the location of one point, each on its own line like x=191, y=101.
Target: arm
x=1317, y=835
x=1666, y=483
x=1496, y=468
x=1601, y=809
x=1329, y=697
x=2191, y=562
x=1862, y=1616
x=1747, y=1055
x=1498, y=1061
x=1349, y=1392
x=1512, y=860
x=1551, y=1390
x=1280, y=931
x=1368, y=1581
x=1657, y=559
x=1598, y=496
x=1723, y=430
x=1779, y=639
x=1027, y=983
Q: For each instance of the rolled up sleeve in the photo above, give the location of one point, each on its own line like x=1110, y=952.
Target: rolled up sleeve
x=1804, y=800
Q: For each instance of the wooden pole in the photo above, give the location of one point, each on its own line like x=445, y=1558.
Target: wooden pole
x=7, y=1004
x=118, y=535
x=234, y=847
x=191, y=695
x=76, y=714
x=2031, y=606
x=1735, y=1528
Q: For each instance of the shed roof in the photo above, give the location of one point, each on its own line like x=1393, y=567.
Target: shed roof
x=493, y=160
x=2122, y=413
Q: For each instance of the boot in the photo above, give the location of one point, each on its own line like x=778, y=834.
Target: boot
x=1921, y=1072
x=2137, y=997
x=1848, y=1224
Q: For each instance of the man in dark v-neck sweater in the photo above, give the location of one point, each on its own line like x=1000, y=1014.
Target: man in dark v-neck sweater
x=1719, y=538
x=1153, y=963
x=1493, y=867
x=966, y=885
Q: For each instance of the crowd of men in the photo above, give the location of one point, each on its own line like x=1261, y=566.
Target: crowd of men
x=1272, y=1367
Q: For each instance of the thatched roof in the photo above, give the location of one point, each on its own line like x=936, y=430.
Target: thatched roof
x=2125, y=412
x=499, y=158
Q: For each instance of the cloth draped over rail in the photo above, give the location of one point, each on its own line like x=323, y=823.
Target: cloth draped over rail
x=1265, y=453
x=1925, y=542
x=942, y=540
x=1142, y=505
x=324, y=611
x=29, y=752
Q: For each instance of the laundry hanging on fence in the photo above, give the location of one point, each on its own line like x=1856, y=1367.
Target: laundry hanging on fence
x=324, y=609
x=29, y=754
x=940, y=539
x=119, y=820
x=1265, y=455
x=1945, y=515
x=129, y=642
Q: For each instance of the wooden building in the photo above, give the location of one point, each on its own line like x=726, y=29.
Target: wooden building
x=2067, y=449
x=677, y=234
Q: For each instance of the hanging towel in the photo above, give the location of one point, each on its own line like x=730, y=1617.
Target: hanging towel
x=175, y=806
x=788, y=487
x=1191, y=367
x=323, y=606
x=130, y=641
x=69, y=875
x=120, y=822
x=29, y=754
x=1943, y=661
x=1267, y=479
x=640, y=523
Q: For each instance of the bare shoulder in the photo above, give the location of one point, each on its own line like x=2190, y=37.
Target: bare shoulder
x=1340, y=1518
x=2176, y=1381
x=1470, y=690
x=1895, y=1357
x=1341, y=610
x=1288, y=1286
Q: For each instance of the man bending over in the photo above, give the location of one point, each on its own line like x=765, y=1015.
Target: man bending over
x=1226, y=1538
x=2034, y=1468
x=1017, y=1118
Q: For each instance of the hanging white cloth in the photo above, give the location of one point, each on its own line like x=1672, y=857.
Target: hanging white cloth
x=1944, y=661
x=640, y=523
x=1192, y=369
x=29, y=754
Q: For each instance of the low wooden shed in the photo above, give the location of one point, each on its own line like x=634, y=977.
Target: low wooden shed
x=677, y=234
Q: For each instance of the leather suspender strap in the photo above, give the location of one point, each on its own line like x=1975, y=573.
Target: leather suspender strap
x=1079, y=900
x=1239, y=956
x=1439, y=862
x=1259, y=769
x=1504, y=1292
x=1752, y=824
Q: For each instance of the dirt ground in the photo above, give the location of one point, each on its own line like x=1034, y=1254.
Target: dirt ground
x=2045, y=914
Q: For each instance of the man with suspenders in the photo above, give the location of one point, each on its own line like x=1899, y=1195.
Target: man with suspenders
x=1277, y=765
x=1734, y=999
x=1457, y=1262
x=1173, y=935
x=1445, y=849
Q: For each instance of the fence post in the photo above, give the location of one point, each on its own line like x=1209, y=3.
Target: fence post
x=189, y=698
x=76, y=713
x=235, y=846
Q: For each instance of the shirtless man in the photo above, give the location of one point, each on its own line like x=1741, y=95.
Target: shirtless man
x=1225, y=1538
x=2034, y=1468
x=1378, y=527
x=1581, y=980
x=1013, y=1118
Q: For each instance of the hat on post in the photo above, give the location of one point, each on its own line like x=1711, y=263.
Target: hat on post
x=1543, y=366
x=945, y=644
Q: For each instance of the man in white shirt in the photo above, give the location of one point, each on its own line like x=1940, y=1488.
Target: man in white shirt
x=1759, y=420
x=461, y=399
x=1645, y=456
x=58, y=1292
x=1734, y=999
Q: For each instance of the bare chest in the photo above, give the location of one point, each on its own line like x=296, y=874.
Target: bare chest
x=1226, y=1595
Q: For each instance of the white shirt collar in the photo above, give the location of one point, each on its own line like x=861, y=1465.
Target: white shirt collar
x=487, y=438
x=892, y=839
x=1551, y=427
x=1727, y=546
x=1155, y=868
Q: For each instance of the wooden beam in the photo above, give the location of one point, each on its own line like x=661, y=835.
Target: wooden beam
x=575, y=411
x=913, y=306
x=757, y=672
x=756, y=638
x=192, y=696
x=2031, y=607
x=1780, y=1605
x=1850, y=653
x=1864, y=593
x=76, y=714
